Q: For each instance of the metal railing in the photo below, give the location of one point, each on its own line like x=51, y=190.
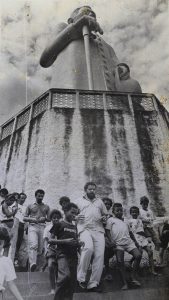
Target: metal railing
x=63, y=98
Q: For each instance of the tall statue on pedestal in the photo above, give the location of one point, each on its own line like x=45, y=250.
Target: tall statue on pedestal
x=81, y=59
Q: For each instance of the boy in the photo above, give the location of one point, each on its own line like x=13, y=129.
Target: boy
x=108, y=203
x=50, y=251
x=67, y=245
x=109, y=249
x=146, y=215
x=118, y=233
x=136, y=226
x=7, y=272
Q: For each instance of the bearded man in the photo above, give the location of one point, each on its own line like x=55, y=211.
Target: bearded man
x=91, y=231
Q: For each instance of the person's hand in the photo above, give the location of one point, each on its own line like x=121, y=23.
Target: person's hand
x=138, y=246
x=14, y=209
x=34, y=220
x=41, y=220
x=81, y=243
x=104, y=219
x=71, y=242
x=80, y=217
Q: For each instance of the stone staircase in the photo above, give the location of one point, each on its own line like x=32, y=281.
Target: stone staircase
x=35, y=286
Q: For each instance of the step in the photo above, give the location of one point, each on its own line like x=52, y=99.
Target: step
x=35, y=285
x=137, y=294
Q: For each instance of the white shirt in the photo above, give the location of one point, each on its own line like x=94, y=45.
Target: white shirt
x=119, y=231
x=136, y=225
x=147, y=215
x=20, y=213
x=93, y=210
x=7, y=271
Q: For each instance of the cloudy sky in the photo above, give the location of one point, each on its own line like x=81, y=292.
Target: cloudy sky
x=137, y=30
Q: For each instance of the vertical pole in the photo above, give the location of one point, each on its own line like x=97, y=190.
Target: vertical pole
x=88, y=58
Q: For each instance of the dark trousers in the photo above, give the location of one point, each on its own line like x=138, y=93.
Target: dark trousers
x=164, y=239
x=109, y=253
x=67, y=277
x=20, y=236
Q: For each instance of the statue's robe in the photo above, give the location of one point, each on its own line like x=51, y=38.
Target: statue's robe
x=70, y=70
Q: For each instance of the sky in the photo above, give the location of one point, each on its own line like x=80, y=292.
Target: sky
x=137, y=30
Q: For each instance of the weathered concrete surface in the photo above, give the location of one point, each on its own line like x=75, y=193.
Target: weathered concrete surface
x=36, y=286
x=118, y=141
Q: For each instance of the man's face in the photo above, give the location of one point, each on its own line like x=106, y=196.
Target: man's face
x=64, y=203
x=134, y=213
x=39, y=197
x=107, y=204
x=71, y=214
x=118, y=212
x=22, y=199
x=144, y=205
x=55, y=218
x=9, y=201
x=90, y=192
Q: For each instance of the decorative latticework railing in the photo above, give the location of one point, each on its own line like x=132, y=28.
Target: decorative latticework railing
x=73, y=99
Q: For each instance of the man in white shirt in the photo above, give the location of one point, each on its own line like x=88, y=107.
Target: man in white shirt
x=91, y=232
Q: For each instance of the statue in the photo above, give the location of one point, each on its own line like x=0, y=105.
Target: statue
x=70, y=60
x=123, y=81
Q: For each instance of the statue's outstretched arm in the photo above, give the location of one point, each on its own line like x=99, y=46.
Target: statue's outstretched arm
x=70, y=32
x=63, y=38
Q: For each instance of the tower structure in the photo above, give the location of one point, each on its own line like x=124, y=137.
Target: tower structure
x=71, y=134
x=67, y=137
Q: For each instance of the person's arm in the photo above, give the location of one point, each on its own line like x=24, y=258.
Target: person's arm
x=27, y=217
x=46, y=241
x=1, y=288
x=7, y=212
x=47, y=218
x=69, y=241
x=134, y=239
x=48, y=214
x=14, y=290
x=108, y=232
x=144, y=219
x=71, y=32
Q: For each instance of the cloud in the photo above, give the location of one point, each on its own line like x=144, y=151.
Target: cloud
x=137, y=30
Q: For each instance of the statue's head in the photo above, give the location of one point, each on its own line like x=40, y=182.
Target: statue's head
x=80, y=11
x=124, y=70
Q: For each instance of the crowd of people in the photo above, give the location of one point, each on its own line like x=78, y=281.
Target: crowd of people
x=84, y=234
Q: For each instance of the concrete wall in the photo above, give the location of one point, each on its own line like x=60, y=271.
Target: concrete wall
x=66, y=138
